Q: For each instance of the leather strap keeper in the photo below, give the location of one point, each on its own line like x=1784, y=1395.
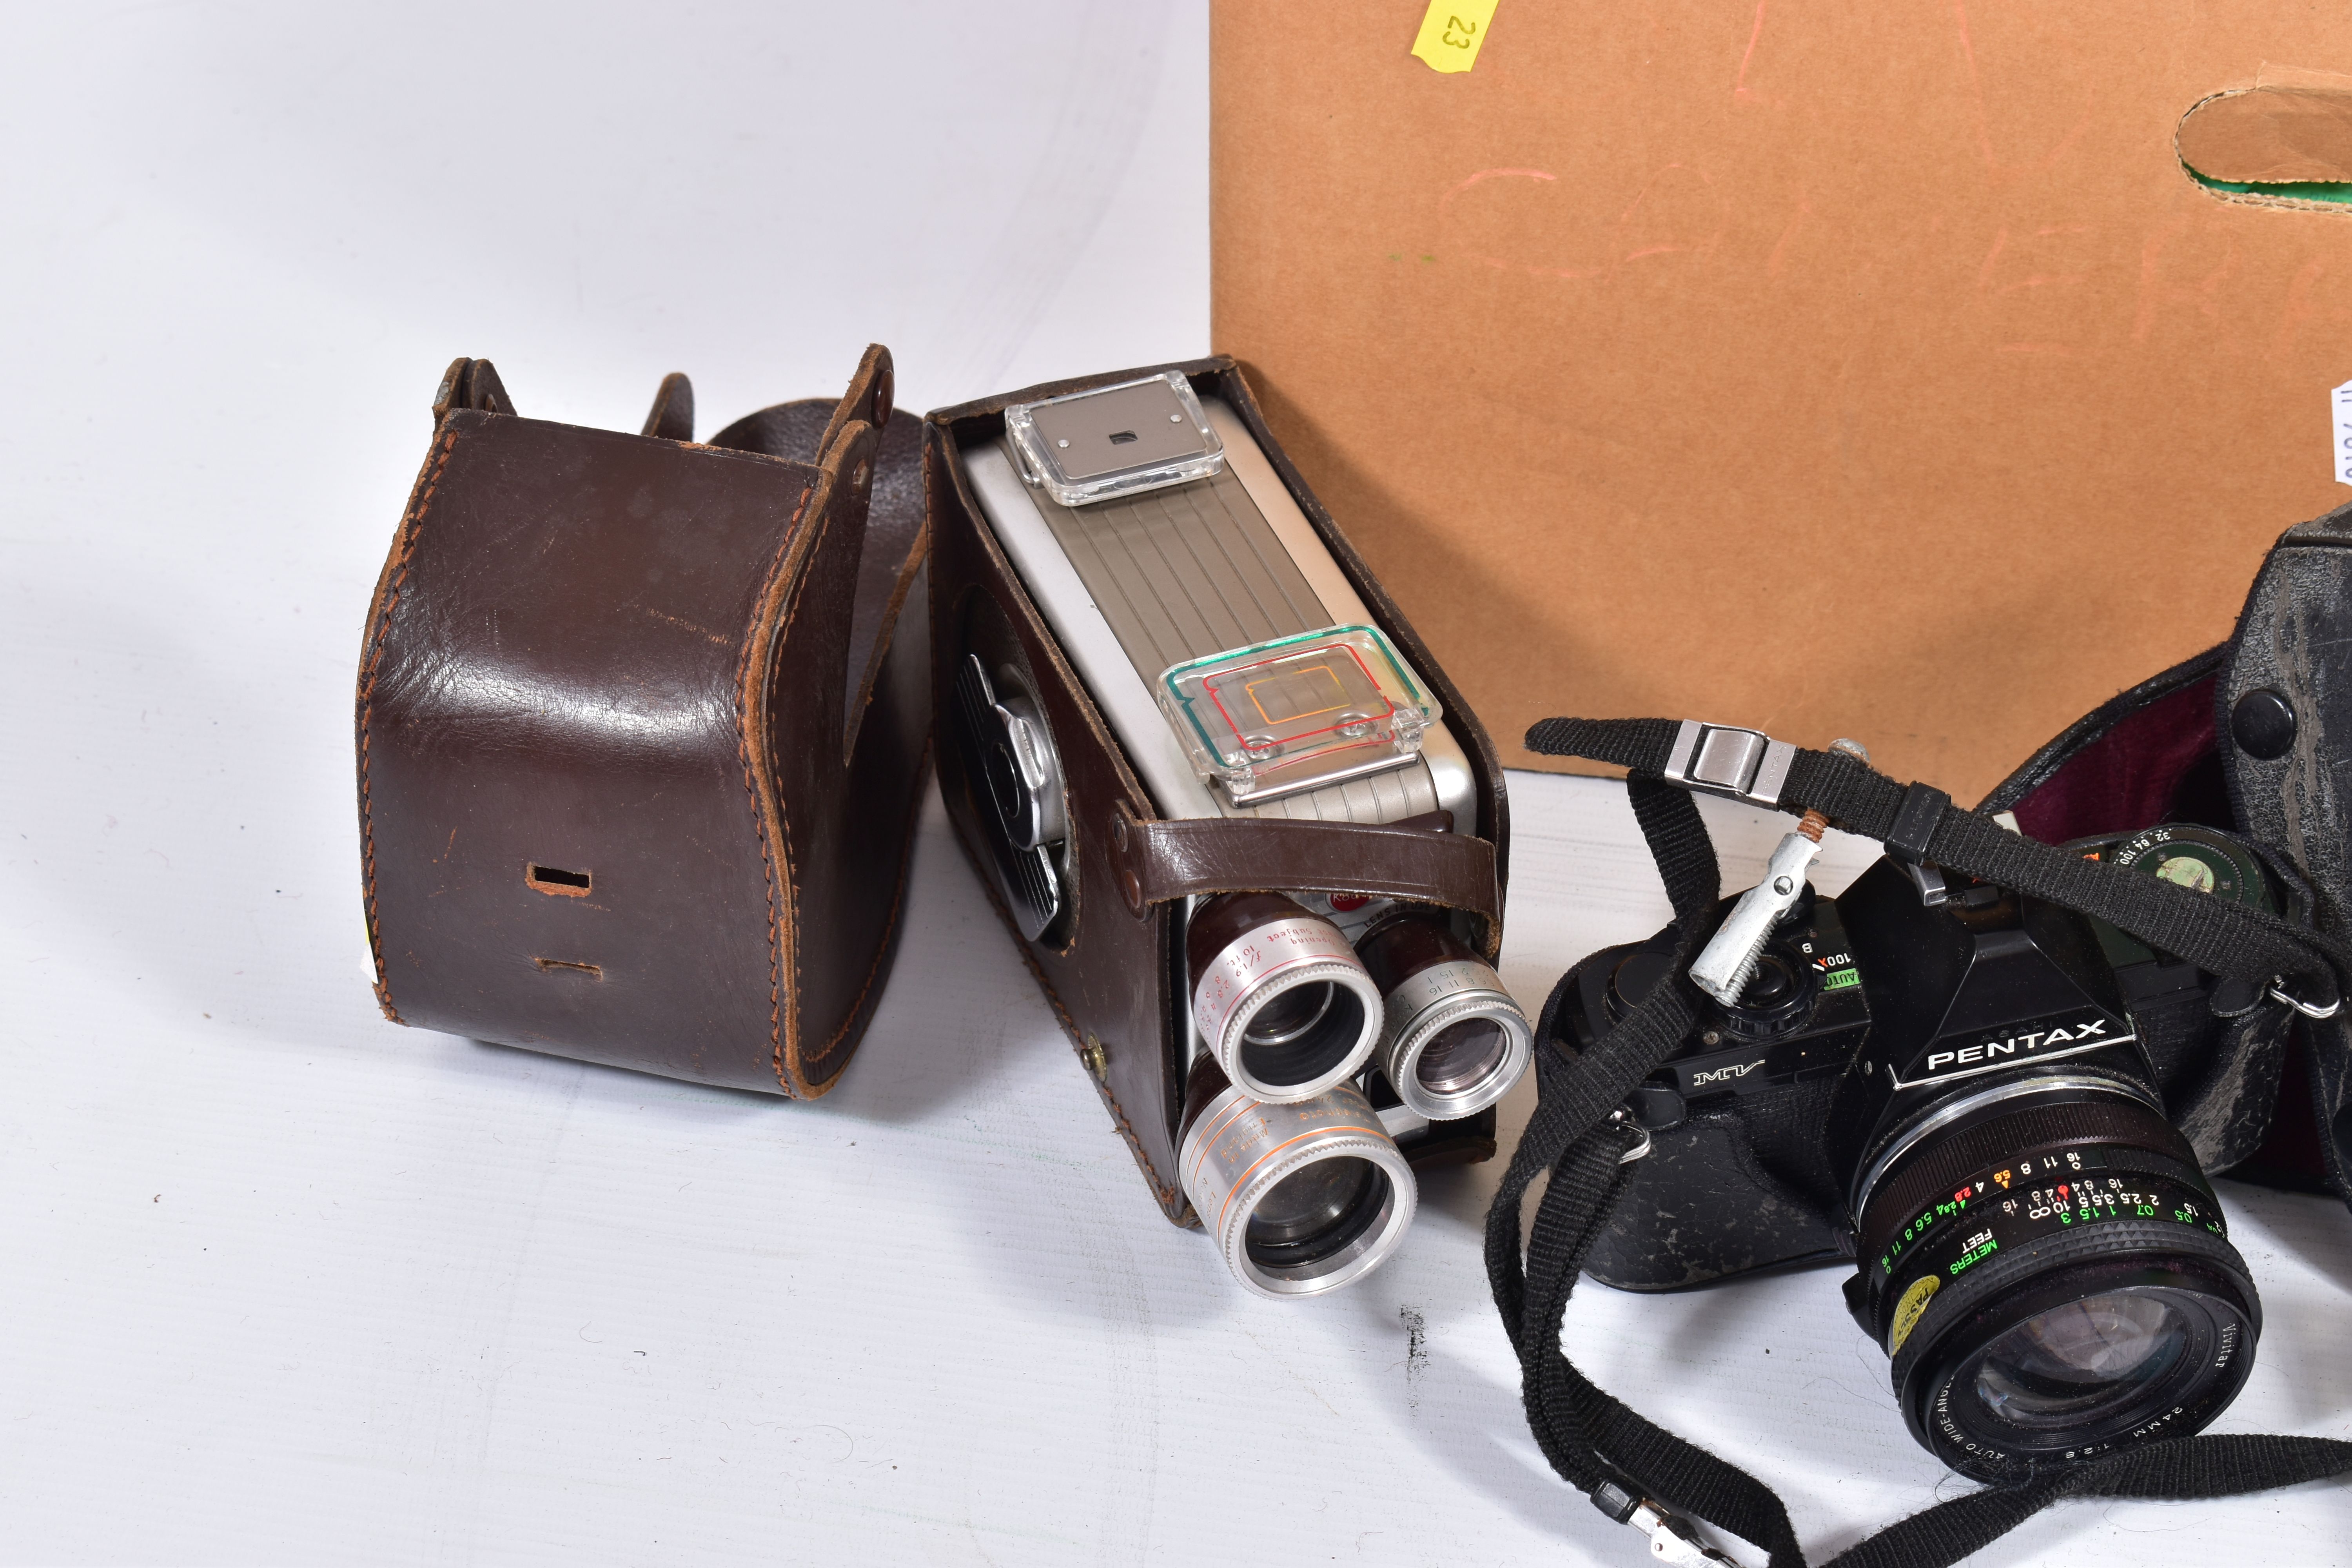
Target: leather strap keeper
x=1113, y=964
x=1162, y=860
x=641, y=732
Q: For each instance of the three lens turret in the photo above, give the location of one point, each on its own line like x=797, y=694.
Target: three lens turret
x=1282, y=1154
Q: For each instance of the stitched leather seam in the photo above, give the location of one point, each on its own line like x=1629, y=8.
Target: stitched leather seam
x=761, y=810
x=795, y=1083
x=786, y=1072
x=404, y=551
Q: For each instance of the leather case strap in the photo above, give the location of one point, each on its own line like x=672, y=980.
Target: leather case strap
x=1159, y=860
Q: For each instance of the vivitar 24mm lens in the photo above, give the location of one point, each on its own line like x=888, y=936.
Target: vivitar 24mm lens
x=1243, y=676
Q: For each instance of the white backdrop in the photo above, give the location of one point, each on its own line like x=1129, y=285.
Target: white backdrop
x=282, y=1283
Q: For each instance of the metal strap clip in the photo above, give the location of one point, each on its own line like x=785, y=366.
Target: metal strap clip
x=1671, y=1540
x=2280, y=993
x=1638, y=1151
x=1719, y=759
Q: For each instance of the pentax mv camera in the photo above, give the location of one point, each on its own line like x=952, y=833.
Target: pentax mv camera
x=1247, y=838
x=1966, y=1091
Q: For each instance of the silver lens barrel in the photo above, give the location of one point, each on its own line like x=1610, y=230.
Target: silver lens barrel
x=1454, y=1042
x=1301, y=1197
x=1282, y=1002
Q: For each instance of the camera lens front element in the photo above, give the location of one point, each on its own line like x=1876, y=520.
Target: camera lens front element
x=2087, y=1359
x=2051, y=1275
x=2074, y=1363
x=1289, y=1015
x=1461, y=1056
x=1300, y=1197
x=1314, y=1213
x=1452, y=1042
x=1280, y=999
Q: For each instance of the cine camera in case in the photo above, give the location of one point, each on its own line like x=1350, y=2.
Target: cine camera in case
x=1247, y=834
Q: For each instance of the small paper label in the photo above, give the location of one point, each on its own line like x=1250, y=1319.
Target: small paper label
x=1452, y=32
x=1910, y=1309
x=2340, y=405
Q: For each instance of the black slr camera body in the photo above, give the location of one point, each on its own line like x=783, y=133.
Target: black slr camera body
x=2003, y=1112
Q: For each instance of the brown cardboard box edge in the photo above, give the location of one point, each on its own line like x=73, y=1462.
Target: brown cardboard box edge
x=1835, y=373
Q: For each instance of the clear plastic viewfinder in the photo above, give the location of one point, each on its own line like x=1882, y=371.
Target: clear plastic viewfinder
x=1298, y=713
x=1115, y=440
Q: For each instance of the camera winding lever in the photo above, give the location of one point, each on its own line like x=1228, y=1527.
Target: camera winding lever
x=1724, y=968
x=1672, y=1538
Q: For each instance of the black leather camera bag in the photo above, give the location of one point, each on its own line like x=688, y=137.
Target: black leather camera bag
x=2261, y=712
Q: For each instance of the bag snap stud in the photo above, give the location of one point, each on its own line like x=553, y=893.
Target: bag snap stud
x=2263, y=723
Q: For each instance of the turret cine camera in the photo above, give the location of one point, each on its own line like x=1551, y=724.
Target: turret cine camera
x=1965, y=1091
x=1243, y=676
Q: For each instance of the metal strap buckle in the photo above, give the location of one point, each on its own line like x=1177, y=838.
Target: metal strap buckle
x=1720, y=759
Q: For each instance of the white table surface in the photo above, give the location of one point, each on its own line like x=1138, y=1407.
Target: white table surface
x=283, y=1283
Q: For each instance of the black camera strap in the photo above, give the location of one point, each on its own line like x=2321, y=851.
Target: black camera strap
x=1638, y=1472
x=1920, y=824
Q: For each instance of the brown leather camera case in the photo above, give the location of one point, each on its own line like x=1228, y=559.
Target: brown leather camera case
x=1117, y=978
x=641, y=732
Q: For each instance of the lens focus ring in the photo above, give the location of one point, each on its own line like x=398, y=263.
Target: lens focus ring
x=1255, y=1000
x=1426, y=1013
x=1994, y=1251
x=1245, y=1164
x=1965, y=1417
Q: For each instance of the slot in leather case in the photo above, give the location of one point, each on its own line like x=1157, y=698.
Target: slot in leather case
x=641, y=732
x=1114, y=967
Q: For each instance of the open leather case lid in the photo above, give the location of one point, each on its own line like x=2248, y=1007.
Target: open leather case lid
x=2241, y=737
x=641, y=732
x=1113, y=969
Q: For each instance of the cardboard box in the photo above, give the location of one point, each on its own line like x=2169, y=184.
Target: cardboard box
x=1835, y=370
